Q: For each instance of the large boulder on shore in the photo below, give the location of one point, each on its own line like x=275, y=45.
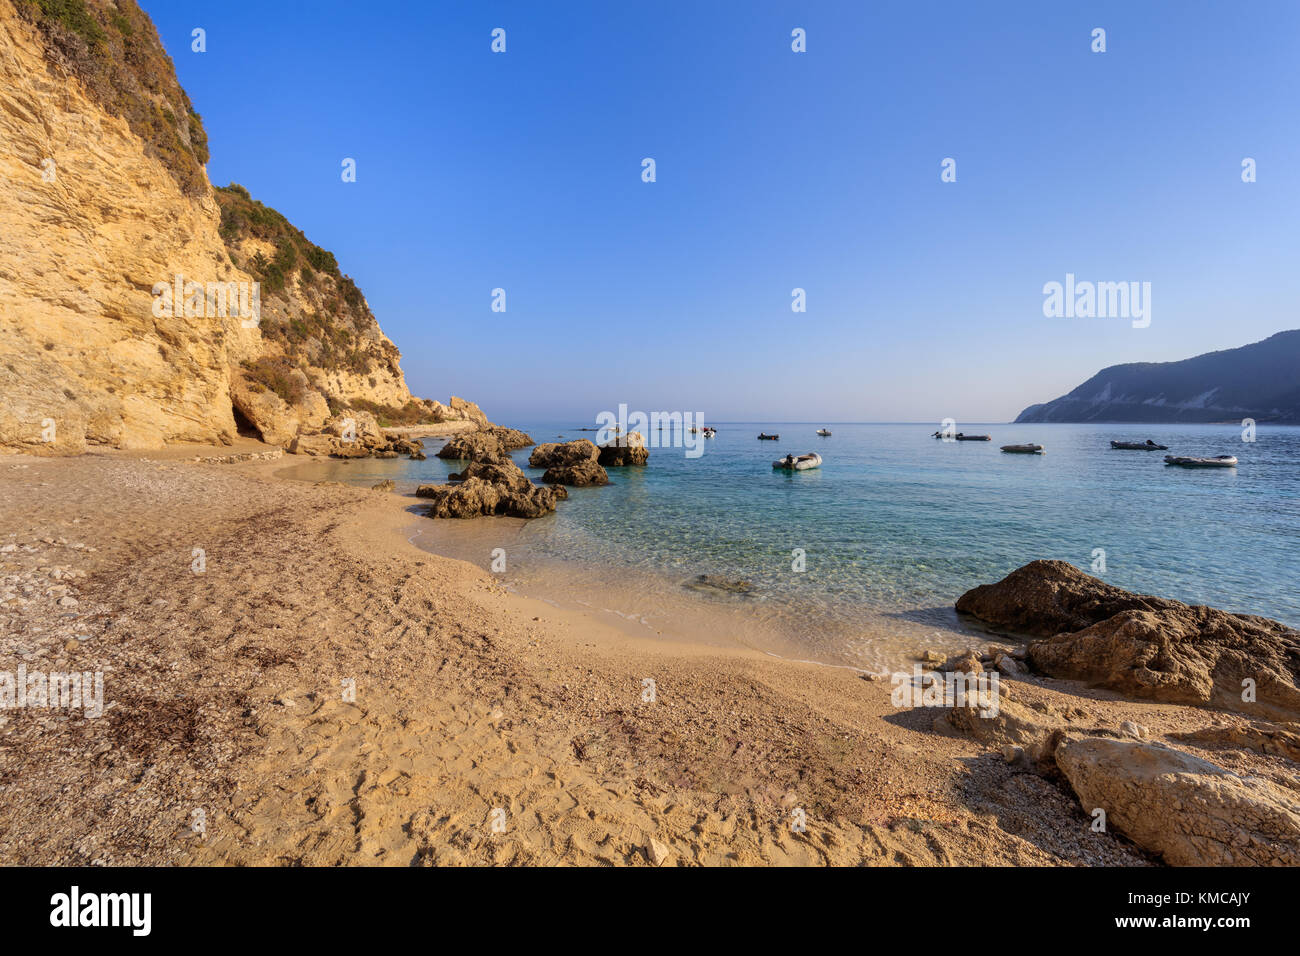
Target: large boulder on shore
x=1188, y=811
x=551, y=454
x=1142, y=646
x=622, y=450
x=1045, y=598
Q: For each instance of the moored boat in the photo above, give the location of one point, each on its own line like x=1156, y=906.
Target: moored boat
x=961, y=437
x=1147, y=445
x=762, y=437
x=802, y=463
x=1023, y=449
x=1218, y=461
x=825, y=433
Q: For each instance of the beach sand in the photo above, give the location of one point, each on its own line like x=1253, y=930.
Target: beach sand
x=487, y=727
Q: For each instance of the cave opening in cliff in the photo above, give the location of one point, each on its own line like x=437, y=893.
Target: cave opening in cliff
x=243, y=427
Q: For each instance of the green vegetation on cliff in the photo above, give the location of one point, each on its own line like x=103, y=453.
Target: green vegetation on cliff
x=316, y=314
x=114, y=50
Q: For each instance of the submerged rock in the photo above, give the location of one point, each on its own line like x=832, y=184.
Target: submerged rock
x=1145, y=647
x=712, y=582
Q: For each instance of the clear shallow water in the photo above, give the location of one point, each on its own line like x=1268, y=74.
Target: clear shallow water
x=895, y=526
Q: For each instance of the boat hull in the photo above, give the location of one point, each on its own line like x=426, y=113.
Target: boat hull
x=803, y=463
x=1223, y=461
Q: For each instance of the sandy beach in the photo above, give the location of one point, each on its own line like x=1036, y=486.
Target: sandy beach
x=486, y=727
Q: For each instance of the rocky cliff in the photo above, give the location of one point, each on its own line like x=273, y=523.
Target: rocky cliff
x=138, y=306
x=1255, y=381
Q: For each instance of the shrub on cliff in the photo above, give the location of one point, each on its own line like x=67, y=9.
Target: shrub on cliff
x=114, y=50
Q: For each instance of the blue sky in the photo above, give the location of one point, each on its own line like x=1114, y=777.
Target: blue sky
x=775, y=170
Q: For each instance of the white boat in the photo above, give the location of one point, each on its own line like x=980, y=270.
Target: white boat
x=1023, y=449
x=824, y=433
x=802, y=463
x=1219, y=461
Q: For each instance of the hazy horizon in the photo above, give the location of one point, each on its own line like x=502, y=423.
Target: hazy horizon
x=775, y=170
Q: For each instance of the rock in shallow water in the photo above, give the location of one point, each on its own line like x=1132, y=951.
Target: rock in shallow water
x=485, y=445
x=579, y=475
x=629, y=449
x=552, y=454
x=476, y=497
x=712, y=582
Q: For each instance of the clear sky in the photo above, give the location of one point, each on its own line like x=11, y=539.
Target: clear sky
x=775, y=170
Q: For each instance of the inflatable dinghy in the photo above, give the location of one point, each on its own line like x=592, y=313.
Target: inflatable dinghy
x=1219, y=461
x=1023, y=449
x=961, y=437
x=762, y=437
x=1147, y=445
x=802, y=463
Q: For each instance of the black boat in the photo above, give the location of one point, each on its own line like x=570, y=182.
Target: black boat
x=1147, y=445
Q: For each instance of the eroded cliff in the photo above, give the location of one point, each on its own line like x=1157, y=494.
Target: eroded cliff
x=103, y=203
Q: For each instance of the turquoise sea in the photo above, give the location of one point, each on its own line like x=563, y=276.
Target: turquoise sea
x=893, y=527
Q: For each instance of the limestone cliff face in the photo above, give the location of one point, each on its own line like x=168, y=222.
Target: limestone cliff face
x=88, y=225
x=103, y=201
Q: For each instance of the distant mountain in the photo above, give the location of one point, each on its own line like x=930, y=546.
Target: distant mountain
x=1259, y=381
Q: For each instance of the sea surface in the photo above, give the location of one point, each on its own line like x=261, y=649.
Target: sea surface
x=891, y=529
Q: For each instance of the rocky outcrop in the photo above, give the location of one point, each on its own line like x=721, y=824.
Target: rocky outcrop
x=1172, y=804
x=1045, y=598
x=490, y=488
x=569, y=463
x=551, y=454
x=1188, y=811
x=1144, y=647
x=579, y=475
x=623, y=450
x=485, y=445
x=354, y=435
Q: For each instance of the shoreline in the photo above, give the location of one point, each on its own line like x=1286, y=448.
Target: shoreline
x=223, y=695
